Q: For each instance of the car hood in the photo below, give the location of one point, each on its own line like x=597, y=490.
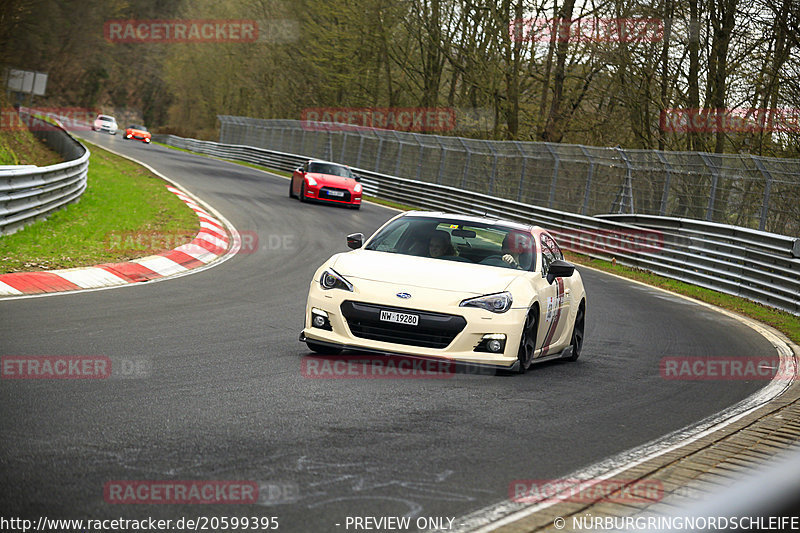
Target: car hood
x=423, y=272
x=333, y=181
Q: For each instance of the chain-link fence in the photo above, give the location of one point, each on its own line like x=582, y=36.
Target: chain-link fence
x=738, y=189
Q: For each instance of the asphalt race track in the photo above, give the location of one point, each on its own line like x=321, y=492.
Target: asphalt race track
x=224, y=397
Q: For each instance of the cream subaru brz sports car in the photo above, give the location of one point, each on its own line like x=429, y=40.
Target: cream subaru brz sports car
x=474, y=290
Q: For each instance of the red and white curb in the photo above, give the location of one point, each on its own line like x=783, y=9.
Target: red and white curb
x=211, y=242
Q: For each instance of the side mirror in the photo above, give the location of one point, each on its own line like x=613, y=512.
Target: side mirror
x=355, y=240
x=299, y=169
x=559, y=269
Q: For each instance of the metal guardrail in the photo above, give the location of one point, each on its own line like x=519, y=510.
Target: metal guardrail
x=28, y=192
x=756, y=265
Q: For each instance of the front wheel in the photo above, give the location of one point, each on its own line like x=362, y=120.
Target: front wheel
x=323, y=349
x=577, y=334
x=527, y=342
x=303, y=192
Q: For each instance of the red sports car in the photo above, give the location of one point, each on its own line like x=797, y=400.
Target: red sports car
x=328, y=182
x=139, y=133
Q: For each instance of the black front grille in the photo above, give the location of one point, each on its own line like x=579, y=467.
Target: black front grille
x=324, y=193
x=434, y=330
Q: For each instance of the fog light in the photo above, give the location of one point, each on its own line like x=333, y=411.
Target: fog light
x=492, y=343
x=319, y=319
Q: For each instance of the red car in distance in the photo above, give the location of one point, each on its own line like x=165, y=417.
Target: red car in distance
x=327, y=182
x=139, y=133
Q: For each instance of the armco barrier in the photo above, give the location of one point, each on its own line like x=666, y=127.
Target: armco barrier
x=29, y=192
x=756, y=265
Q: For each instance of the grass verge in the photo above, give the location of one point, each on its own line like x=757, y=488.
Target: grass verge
x=784, y=322
x=126, y=212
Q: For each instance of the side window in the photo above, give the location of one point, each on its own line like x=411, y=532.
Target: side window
x=550, y=253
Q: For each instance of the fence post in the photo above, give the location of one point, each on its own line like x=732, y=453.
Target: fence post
x=589, y=178
x=378, y=155
x=767, y=190
x=399, y=153
x=421, y=154
x=521, y=174
x=713, y=192
x=665, y=195
x=494, y=167
x=345, y=135
x=556, y=162
x=466, y=163
x=441, y=160
x=360, y=148
x=627, y=186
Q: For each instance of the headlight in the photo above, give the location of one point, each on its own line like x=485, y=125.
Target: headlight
x=330, y=279
x=311, y=181
x=496, y=303
x=357, y=188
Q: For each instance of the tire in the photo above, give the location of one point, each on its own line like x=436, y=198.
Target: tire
x=322, y=349
x=577, y=333
x=303, y=192
x=527, y=341
x=291, y=186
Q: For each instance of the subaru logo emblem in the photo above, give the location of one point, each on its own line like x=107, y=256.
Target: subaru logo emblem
x=403, y=295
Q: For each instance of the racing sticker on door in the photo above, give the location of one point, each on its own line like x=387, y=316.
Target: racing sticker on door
x=553, y=315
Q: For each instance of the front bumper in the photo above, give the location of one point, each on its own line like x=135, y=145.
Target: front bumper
x=462, y=347
x=318, y=193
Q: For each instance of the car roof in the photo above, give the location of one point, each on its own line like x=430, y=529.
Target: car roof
x=475, y=218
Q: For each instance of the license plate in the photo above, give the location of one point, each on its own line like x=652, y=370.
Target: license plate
x=400, y=318
x=335, y=193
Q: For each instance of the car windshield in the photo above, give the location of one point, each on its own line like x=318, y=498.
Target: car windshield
x=135, y=127
x=329, y=168
x=106, y=119
x=457, y=240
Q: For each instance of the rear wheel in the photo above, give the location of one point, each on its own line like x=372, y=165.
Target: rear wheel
x=527, y=342
x=577, y=333
x=323, y=349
